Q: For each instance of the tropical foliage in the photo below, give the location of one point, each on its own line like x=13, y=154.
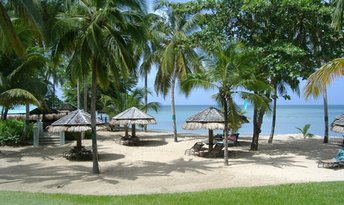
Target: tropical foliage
x=104, y=46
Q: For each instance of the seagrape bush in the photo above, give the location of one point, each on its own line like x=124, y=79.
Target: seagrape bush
x=11, y=131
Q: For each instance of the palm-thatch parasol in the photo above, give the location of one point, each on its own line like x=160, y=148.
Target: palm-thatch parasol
x=66, y=108
x=210, y=118
x=338, y=125
x=76, y=121
x=132, y=116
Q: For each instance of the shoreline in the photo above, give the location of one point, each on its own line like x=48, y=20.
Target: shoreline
x=160, y=166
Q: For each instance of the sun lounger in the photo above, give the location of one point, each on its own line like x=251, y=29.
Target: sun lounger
x=336, y=162
x=195, y=149
x=330, y=163
x=216, y=151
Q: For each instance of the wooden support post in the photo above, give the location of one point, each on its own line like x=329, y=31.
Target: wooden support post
x=133, y=131
x=211, y=139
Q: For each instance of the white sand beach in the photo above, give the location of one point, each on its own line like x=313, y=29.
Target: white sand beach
x=160, y=166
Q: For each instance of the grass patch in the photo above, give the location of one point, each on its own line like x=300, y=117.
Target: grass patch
x=310, y=193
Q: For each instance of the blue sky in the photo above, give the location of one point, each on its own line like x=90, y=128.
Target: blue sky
x=203, y=97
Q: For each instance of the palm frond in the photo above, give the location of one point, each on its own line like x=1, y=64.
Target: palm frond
x=337, y=19
x=17, y=96
x=9, y=32
x=318, y=81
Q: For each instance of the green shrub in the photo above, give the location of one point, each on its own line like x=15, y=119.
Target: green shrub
x=11, y=131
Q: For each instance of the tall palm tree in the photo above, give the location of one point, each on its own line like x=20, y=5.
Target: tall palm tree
x=147, y=49
x=319, y=80
x=100, y=33
x=176, y=58
x=279, y=86
x=230, y=71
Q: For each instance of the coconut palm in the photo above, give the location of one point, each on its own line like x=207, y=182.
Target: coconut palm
x=99, y=34
x=319, y=80
x=28, y=12
x=176, y=59
x=148, y=49
x=230, y=71
x=21, y=81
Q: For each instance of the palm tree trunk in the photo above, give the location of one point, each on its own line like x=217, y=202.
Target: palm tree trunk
x=173, y=108
x=93, y=119
x=4, y=116
x=258, y=115
x=325, y=117
x=26, y=124
x=85, y=94
x=225, y=140
x=78, y=93
x=273, y=125
x=146, y=96
x=54, y=93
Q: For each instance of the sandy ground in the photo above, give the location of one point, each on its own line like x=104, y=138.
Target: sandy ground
x=160, y=166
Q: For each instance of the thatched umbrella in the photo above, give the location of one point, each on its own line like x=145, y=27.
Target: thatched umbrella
x=338, y=125
x=210, y=118
x=76, y=121
x=66, y=108
x=132, y=116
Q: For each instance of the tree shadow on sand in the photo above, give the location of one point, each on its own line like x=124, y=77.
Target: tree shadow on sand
x=131, y=171
x=51, y=176
x=281, y=153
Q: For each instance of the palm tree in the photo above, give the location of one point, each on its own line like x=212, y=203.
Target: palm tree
x=100, y=33
x=319, y=80
x=148, y=49
x=26, y=10
x=125, y=100
x=230, y=71
x=176, y=58
x=279, y=86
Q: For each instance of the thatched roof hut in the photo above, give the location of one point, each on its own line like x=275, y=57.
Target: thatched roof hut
x=210, y=118
x=76, y=121
x=338, y=124
x=132, y=116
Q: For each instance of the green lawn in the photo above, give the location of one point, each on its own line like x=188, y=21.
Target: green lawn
x=312, y=193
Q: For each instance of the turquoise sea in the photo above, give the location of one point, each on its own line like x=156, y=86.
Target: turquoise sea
x=288, y=118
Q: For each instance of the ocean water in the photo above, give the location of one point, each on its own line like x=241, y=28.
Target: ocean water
x=288, y=118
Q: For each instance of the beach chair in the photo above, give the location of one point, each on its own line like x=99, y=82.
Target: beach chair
x=336, y=162
x=195, y=149
x=216, y=151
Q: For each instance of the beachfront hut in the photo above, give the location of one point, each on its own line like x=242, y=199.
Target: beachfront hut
x=75, y=121
x=210, y=118
x=132, y=116
x=338, y=125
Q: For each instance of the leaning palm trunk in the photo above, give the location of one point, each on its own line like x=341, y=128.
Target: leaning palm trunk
x=325, y=117
x=173, y=107
x=225, y=106
x=273, y=114
x=93, y=118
